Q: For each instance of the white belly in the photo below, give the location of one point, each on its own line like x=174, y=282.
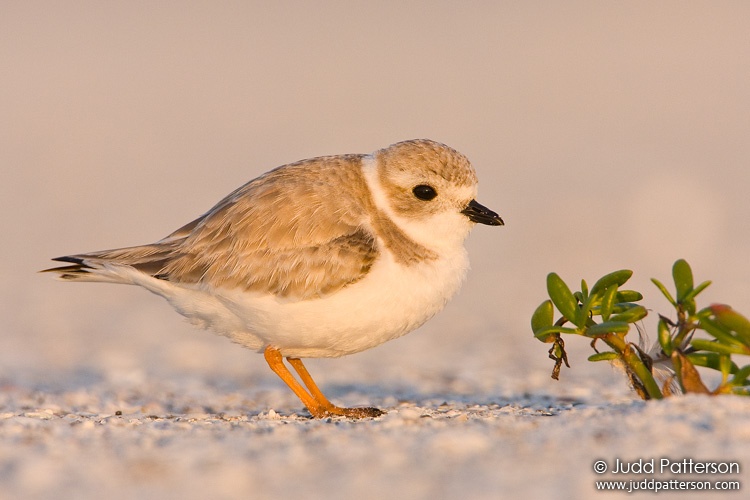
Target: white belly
x=390, y=301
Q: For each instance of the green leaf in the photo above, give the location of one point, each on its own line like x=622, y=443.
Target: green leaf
x=664, y=291
x=607, y=327
x=628, y=296
x=740, y=377
x=618, y=278
x=665, y=337
x=563, y=299
x=713, y=346
x=698, y=289
x=604, y=356
x=689, y=305
x=683, y=279
x=546, y=334
x=543, y=316
x=584, y=311
x=709, y=360
x=618, y=308
x=725, y=365
x=632, y=315
x=732, y=320
x=584, y=289
x=621, y=307
x=608, y=302
x=718, y=331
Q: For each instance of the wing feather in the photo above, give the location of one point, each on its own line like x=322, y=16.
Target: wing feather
x=291, y=232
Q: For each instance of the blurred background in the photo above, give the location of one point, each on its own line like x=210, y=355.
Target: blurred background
x=608, y=135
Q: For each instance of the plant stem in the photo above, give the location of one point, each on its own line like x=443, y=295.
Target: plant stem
x=684, y=327
x=634, y=363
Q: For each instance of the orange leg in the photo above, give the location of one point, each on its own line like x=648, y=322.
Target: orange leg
x=276, y=362
x=329, y=407
x=315, y=401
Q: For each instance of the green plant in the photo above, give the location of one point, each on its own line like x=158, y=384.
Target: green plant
x=606, y=312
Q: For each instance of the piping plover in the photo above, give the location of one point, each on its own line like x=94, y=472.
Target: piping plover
x=320, y=258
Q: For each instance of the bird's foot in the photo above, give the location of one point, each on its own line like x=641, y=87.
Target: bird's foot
x=360, y=412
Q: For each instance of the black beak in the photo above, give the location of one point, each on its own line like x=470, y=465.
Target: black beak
x=481, y=214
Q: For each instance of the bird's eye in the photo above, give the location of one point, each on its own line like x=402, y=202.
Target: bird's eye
x=424, y=192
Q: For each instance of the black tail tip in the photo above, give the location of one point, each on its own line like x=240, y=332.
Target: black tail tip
x=69, y=258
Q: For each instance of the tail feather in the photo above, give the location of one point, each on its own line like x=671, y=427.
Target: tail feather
x=74, y=272
x=100, y=266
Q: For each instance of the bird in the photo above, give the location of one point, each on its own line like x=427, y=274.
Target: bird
x=320, y=258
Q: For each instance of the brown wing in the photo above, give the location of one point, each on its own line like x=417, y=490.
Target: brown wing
x=292, y=232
